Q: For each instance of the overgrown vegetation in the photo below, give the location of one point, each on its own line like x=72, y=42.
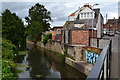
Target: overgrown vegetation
x=38, y=22
x=14, y=34
x=9, y=51
x=46, y=37
x=63, y=56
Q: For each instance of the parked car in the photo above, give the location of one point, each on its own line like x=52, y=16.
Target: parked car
x=118, y=32
x=111, y=33
x=107, y=32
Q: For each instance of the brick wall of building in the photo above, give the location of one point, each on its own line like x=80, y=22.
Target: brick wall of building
x=81, y=36
x=112, y=25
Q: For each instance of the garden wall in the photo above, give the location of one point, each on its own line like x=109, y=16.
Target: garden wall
x=53, y=46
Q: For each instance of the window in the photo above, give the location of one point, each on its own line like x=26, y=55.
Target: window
x=91, y=15
x=84, y=15
x=87, y=14
x=81, y=15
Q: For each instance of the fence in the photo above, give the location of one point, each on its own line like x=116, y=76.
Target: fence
x=101, y=69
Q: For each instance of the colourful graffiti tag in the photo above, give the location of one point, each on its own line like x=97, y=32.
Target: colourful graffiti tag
x=91, y=57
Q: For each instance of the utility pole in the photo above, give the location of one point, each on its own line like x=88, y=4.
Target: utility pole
x=106, y=17
x=92, y=31
x=93, y=24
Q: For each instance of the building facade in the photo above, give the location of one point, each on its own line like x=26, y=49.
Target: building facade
x=57, y=33
x=88, y=18
x=83, y=24
x=112, y=25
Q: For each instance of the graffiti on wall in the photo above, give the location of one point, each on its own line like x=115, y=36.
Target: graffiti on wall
x=91, y=57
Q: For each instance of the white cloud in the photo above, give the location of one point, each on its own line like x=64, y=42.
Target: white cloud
x=92, y=1
x=60, y=9
x=112, y=15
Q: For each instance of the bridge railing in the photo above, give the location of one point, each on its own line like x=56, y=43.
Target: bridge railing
x=101, y=69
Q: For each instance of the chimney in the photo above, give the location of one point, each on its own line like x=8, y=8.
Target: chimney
x=87, y=5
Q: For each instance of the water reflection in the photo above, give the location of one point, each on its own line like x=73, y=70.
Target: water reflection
x=46, y=64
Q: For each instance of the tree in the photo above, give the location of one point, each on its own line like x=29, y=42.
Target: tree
x=0, y=26
x=38, y=21
x=13, y=29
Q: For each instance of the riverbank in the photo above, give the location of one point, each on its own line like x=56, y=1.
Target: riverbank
x=74, y=58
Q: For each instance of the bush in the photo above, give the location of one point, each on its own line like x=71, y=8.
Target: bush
x=8, y=48
x=46, y=37
x=9, y=70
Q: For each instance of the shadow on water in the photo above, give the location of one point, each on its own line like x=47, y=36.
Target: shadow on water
x=45, y=64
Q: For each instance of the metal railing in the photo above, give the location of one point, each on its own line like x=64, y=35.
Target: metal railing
x=101, y=69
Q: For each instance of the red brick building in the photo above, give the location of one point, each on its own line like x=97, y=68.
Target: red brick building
x=112, y=25
x=57, y=33
x=57, y=28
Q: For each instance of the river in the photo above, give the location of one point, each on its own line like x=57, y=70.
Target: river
x=45, y=65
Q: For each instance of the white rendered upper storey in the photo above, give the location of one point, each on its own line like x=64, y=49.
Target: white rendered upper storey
x=84, y=12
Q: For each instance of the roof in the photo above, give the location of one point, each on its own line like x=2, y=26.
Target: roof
x=88, y=22
x=113, y=20
x=73, y=14
x=97, y=11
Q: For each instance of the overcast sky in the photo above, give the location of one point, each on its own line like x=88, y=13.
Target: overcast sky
x=60, y=9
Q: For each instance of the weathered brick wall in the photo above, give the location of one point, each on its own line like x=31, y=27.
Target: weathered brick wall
x=55, y=46
x=80, y=37
x=71, y=51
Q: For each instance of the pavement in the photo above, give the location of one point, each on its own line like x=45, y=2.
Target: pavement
x=115, y=58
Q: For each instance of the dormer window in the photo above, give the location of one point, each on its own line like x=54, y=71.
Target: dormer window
x=91, y=14
x=84, y=15
x=87, y=15
x=81, y=15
